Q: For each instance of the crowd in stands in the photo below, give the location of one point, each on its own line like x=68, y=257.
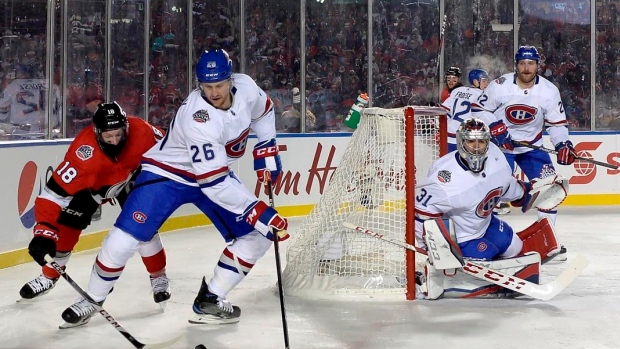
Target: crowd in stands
x=405, y=38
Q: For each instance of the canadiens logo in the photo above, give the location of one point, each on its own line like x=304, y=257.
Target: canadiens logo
x=520, y=114
x=482, y=246
x=201, y=116
x=84, y=152
x=500, y=80
x=139, y=217
x=444, y=176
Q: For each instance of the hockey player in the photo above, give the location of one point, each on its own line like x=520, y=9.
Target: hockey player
x=96, y=169
x=464, y=186
x=458, y=103
x=192, y=164
x=452, y=78
x=520, y=106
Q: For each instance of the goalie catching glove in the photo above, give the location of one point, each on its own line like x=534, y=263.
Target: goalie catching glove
x=263, y=218
x=266, y=157
x=545, y=194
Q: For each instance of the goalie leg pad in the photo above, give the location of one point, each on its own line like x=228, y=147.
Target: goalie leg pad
x=540, y=237
x=443, y=251
x=433, y=288
x=461, y=285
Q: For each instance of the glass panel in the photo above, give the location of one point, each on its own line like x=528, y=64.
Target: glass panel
x=608, y=66
x=23, y=29
x=336, y=70
x=406, y=40
x=561, y=33
x=216, y=25
x=273, y=47
x=168, y=60
x=85, y=62
x=127, y=76
x=479, y=34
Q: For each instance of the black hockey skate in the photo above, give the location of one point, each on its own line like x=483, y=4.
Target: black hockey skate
x=78, y=314
x=161, y=290
x=209, y=308
x=37, y=287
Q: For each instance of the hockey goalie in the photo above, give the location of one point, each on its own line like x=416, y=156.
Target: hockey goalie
x=455, y=221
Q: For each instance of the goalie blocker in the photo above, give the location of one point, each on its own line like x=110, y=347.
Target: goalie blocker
x=441, y=278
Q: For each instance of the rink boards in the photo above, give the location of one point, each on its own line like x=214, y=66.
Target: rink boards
x=309, y=162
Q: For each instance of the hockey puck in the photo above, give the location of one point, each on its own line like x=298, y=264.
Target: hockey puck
x=200, y=346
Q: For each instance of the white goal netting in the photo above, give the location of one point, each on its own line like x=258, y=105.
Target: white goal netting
x=369, y=189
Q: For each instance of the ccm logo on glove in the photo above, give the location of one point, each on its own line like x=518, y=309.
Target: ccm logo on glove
x=46, y=233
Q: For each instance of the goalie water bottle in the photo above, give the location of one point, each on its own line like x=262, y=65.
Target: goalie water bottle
x=354, y=113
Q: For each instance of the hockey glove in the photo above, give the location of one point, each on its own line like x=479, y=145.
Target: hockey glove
x=80, y=211
x=43, y=243
x=566, y=153
x=500, y=135
x=263, y=218
x=526, y=201
x=266, y=157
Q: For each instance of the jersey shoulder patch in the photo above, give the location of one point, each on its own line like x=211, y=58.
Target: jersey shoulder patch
x=84, y=152
x=444, y=176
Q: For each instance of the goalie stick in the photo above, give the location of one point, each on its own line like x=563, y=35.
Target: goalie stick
x=106, y=315
x=551, y=151
x=543, y=292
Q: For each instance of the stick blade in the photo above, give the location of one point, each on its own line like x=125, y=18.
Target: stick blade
x=165, y=344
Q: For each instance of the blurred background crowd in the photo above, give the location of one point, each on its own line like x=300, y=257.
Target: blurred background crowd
x=59, y=59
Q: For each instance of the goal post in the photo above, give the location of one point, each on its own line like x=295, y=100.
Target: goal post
x=373, y=187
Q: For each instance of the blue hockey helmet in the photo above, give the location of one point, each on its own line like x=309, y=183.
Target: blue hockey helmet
x=477, y=74
x=213, y=66
x=527, y=52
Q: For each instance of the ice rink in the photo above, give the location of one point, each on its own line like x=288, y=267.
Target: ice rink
x=585, y=316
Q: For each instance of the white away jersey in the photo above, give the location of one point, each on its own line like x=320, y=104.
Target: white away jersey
x=458, y=105
x=526, y=112
x=203, y=141
x=452, y=191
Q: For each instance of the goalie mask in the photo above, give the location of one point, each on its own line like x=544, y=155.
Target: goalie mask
x=108, y=117
x=472, y=141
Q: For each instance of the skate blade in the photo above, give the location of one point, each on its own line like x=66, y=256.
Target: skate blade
x=211, y=320
x=163, y=305
x=65, y=325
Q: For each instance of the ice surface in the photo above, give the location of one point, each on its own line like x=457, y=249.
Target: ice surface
x=586, y=315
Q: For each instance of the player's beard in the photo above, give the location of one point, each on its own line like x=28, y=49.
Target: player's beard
x=526, y=78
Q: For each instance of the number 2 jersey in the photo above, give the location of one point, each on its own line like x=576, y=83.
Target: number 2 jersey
x=86, y=167
x=203, y=142
x=451, y=190
x=525, y=112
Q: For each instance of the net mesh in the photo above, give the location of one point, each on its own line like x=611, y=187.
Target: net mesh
x=368, y=190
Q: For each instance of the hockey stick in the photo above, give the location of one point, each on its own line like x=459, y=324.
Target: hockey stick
x=551, y=151
x=276, y=248
x=441, y=34
x=106, y=315
x=543, y=292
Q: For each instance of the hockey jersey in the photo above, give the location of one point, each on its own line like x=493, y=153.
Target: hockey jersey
x=203, y=141
x=451, y=190
x=525, y=112
x=85, y=166
x=458, y=105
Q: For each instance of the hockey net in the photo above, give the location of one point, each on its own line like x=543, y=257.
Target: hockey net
x=373, y=187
